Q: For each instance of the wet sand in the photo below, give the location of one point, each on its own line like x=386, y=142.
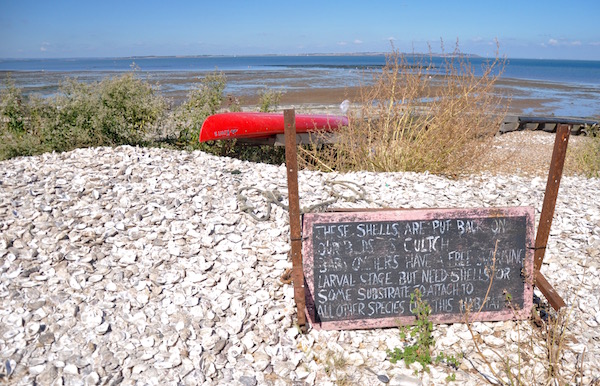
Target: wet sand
x=307, y=88
x=522, y=97
x=315, y=88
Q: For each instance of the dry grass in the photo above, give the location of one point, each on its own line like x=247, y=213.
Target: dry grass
x=542, y=346
x=588, y=159
x=418, y=118
x=528, y=153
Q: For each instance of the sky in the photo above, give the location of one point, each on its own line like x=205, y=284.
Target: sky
x=85, y=28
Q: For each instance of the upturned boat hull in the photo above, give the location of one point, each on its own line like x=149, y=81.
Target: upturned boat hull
x=260, y=125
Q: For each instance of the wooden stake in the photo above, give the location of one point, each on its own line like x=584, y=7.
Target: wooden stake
x=291, y=161
x=541, y=240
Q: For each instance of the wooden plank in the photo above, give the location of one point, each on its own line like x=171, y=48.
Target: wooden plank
x=552, y=185
x=548, y=291
x=558, y=121
x=541, y=241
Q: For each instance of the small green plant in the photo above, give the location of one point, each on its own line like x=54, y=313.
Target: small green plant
x=268, y=100
x=451, y=377
x=203, y=100
x=450, y=360
x=420, y=334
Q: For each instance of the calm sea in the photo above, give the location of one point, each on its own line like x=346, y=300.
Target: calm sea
x=577, y=83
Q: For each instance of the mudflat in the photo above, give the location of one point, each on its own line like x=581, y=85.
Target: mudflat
x=313, y=87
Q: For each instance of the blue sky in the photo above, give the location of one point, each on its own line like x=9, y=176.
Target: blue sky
x=523, y=29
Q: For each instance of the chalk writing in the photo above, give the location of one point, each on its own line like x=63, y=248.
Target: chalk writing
x=369, y=269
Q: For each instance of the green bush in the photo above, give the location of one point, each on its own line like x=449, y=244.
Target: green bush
x=129, y=109
x=116, y=111
x=12, y=109
x=203, y=100
x=18, y=129
x=72, y=118
x=268, y=100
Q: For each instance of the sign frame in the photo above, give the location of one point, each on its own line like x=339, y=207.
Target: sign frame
x=552, y=186
x=350, y=221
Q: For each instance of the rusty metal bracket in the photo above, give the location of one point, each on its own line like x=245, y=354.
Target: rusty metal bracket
x=554, y=176
x=291, y=161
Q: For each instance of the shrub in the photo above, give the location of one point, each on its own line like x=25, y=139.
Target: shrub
x=116, y=111
x=414, y=119
x=12, y=109
x=129, y=108
x=19, y=134
x=268, y=100
x=72, y=118
x=203, y=100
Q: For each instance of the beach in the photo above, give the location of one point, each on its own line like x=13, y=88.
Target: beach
x=141, y=266
x=567, y=89
x=132, y=265
x=314, y=88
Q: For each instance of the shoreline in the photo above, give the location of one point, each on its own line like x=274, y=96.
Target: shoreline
x=308, y=87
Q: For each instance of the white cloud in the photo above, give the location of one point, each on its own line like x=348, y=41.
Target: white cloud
x=358, y=41
x=562, y=43
x=44, y=47
x=342, y=43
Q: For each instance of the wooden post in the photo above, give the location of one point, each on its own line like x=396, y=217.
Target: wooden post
x=541, y=240
x=291, y=161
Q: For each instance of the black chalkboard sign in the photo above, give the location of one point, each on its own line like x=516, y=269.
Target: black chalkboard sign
x=362, y=267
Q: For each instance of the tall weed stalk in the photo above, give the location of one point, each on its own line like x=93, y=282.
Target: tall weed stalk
x=417, y=117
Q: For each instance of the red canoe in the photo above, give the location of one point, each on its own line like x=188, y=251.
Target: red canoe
x=260, y=125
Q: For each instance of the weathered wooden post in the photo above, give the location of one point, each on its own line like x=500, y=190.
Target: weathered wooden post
x=543, y=232
x=291, y=161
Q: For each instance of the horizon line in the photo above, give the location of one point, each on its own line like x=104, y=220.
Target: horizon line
x=362, y=53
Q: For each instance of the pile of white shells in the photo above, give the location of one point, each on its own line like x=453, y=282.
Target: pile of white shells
x=136, y=266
